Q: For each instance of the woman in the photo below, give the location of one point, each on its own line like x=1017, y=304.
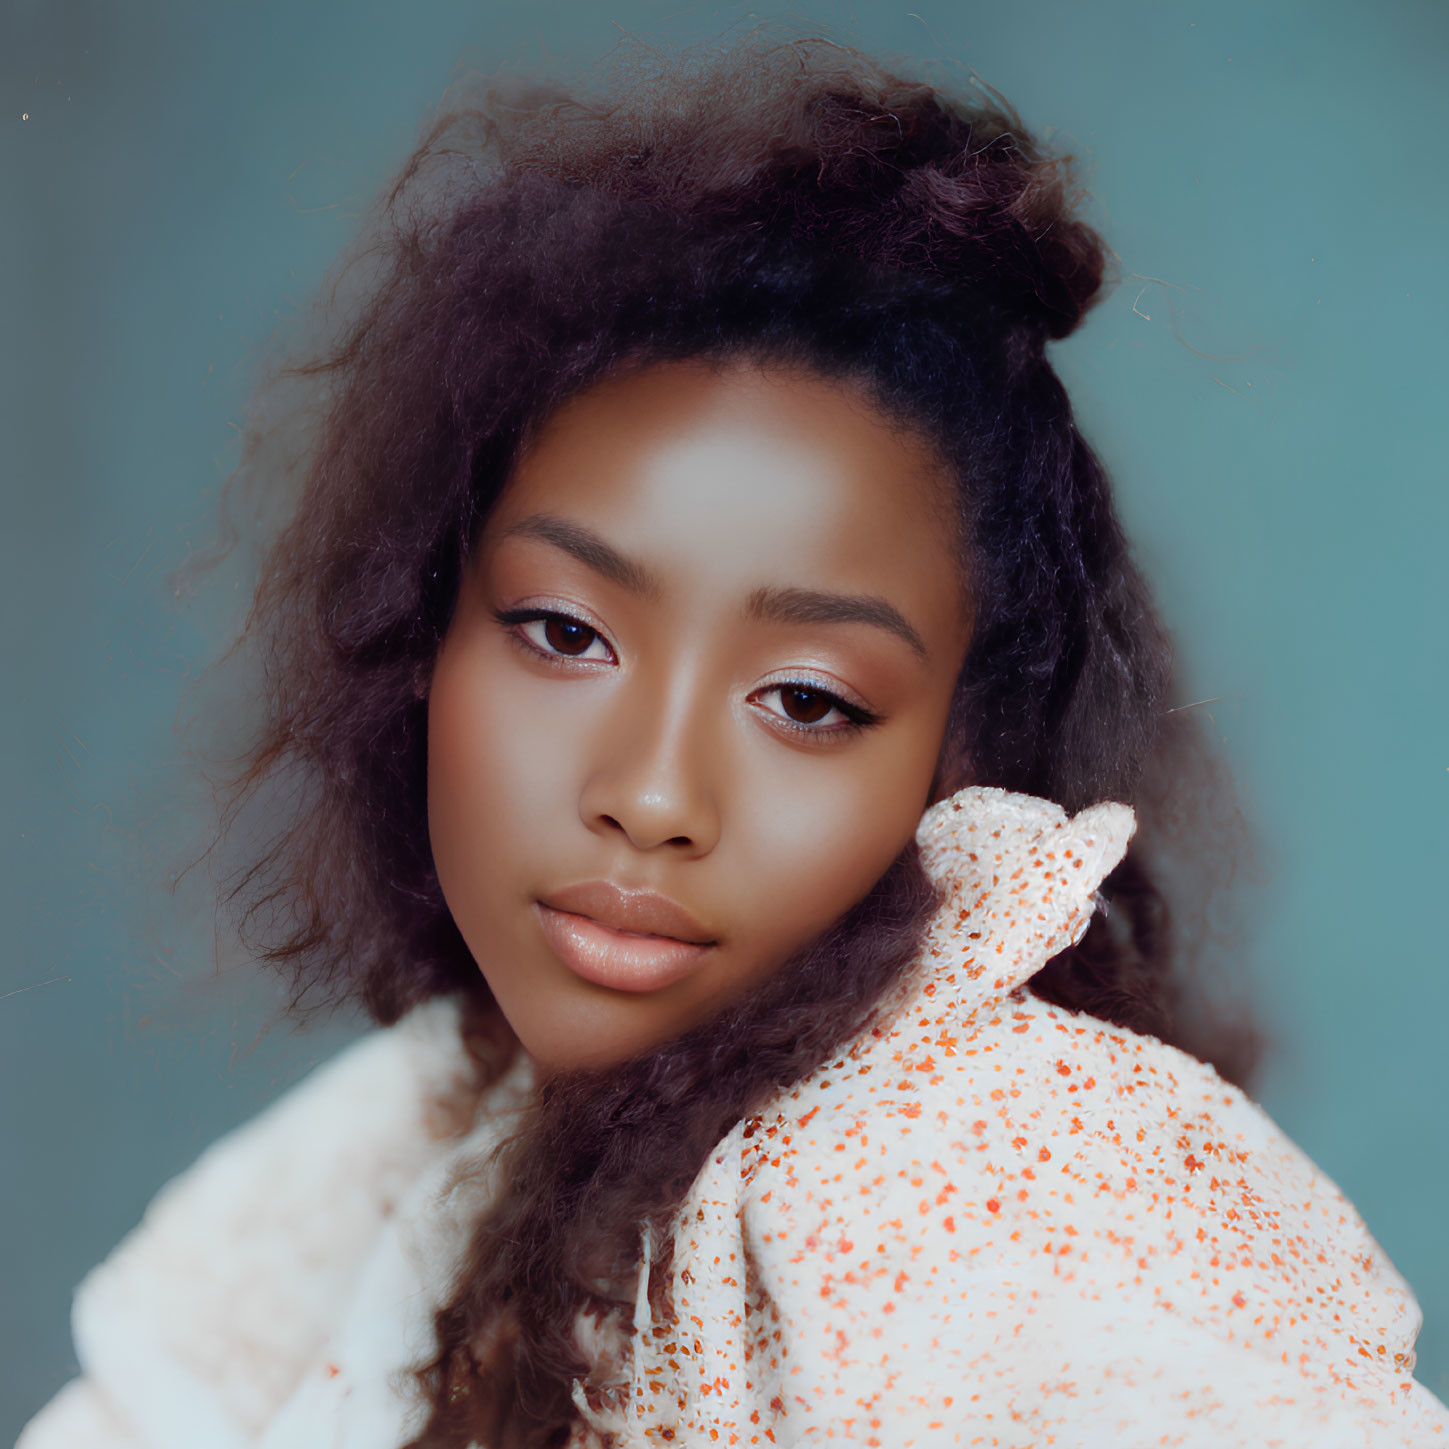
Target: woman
x=708, y=693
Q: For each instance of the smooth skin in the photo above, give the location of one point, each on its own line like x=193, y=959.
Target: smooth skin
x=705, y=647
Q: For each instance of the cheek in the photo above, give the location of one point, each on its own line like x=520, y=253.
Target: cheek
x=497, y=774
x=821, y=837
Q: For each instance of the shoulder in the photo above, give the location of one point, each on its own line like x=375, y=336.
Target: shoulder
x=242, y=1263
x=1043, y=1184
x=1037, y=1120
x=989, y=1200
x=369, y=1115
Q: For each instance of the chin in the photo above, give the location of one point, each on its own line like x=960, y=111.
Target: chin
x=587, y=1049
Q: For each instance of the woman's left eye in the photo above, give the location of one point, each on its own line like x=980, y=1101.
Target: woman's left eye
x=813, y=710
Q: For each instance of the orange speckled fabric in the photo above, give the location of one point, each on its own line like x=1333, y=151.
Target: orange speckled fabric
x=994, y=1222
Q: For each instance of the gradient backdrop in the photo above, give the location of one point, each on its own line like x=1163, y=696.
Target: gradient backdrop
x=1266, y=384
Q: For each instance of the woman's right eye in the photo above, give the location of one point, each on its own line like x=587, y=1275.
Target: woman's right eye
x=557, y=635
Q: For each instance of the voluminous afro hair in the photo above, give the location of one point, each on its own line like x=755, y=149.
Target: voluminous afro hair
x=792, y=203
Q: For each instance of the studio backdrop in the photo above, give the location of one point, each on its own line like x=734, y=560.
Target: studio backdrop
x=1266, y=384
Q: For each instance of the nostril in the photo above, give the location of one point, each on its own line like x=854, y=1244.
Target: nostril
x=617, y=824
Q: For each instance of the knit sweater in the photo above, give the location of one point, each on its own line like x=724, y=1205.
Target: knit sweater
x=990, y=1221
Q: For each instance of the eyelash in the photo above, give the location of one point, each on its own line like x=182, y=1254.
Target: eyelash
x=857, y=719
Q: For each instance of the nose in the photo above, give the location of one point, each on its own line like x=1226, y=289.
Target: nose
x=654, y=778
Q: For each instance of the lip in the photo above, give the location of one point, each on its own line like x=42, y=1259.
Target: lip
x=640, y=913
x=626, y=940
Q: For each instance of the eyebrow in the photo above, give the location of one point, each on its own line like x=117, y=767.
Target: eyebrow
x=814, y=606
x=586, y=546
x=772, y=605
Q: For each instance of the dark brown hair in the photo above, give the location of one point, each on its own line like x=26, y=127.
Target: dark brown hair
x=790, y=202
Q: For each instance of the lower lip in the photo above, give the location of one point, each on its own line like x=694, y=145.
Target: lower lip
x=617, y=959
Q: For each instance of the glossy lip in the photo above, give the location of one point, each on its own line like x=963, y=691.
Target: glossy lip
x=625, y=940
x=641, y=913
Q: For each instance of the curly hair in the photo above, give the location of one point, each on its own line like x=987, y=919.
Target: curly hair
x=786, y=202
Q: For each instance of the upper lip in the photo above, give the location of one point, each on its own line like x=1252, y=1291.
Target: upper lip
x=642, y=912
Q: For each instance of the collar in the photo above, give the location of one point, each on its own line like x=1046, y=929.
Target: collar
x=1019, y=879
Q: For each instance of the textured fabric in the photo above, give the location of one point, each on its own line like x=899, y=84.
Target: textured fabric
x=1000, y=1223
x=990, y=1222
x=272, y=1291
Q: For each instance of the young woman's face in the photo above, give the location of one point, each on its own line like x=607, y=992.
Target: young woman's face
x=690, y=705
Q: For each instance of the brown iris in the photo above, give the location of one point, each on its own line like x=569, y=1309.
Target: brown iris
x=567, y=635
x=805, y=705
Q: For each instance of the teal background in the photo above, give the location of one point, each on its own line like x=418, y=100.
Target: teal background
x=1271, y=403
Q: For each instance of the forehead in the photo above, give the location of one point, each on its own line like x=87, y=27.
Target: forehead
x=742, y=470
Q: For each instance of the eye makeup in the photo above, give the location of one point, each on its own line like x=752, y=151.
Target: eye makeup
x=809, y=691
x=560, y=629
x=798, y=691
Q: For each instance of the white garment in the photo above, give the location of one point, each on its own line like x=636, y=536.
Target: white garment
x=990, y=1221
x=319, y=1233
